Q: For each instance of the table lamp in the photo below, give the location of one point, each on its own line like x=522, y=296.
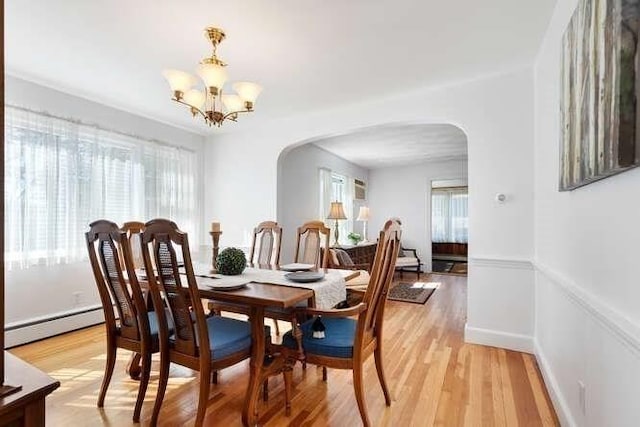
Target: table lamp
x=363, y=215
x=336, y=212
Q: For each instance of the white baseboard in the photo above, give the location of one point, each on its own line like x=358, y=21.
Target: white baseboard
x=19, y=333
x=500, y=339
x=559, y=403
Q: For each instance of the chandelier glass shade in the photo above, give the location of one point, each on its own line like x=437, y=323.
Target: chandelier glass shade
x=212, y=104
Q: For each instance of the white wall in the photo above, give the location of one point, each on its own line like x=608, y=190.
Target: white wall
x=405, y=192
x=42, y=292
x=586, y=257
x=495, y=112
x=299, y=190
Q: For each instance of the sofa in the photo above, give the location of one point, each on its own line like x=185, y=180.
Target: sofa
x=356, y=287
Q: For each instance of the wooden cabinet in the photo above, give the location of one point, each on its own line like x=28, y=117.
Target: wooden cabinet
x=449, y=249
x=361, y=254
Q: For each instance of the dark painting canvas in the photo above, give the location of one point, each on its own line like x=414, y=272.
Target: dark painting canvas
x=600, y=88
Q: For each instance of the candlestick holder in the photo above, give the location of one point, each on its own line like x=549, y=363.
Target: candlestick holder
x=215, y=236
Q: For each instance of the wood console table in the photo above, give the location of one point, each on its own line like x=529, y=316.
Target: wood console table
x=25, y=407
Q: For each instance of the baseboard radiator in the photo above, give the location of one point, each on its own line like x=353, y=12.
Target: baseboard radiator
x=38, y=328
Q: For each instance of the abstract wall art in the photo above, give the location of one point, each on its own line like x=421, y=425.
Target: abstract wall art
x=600, y=88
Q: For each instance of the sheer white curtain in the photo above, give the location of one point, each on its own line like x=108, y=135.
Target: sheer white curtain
x=326, y=193
x=449, y=215
x=439, y=216
x=347, y=224
x=61, y=175
x=170, y=186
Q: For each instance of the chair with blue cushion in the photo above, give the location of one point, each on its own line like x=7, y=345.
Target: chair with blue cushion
x=134, y=229
x=264, y=253
x=199, y=343
x=265, y=245
x=352, y=334
x=135, y=328
x=312, y=236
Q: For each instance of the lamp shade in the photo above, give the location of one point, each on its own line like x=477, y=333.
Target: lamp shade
x=195, y=98
x=213, y=75
x=248, y=91
x=363, y=214
x=232, y=103
x=179, y=80
x=336, y=211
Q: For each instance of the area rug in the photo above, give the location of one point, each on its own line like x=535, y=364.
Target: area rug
x=417, y=293
x=441, y=266
x=459, y=268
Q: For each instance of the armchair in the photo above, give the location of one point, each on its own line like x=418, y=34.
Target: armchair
x=408, y=262
x=340, y=259
x=356, y=287
x=350, y=341
x=199, y=343
x=135, y=328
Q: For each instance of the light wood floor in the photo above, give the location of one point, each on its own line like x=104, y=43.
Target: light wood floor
x=435, y=379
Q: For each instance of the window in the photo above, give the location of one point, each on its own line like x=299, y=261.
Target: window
x=338, y=188
x=449, y=215
x=61, y=175
x=335, y=187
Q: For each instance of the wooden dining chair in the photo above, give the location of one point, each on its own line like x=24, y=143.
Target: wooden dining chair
x=199, y=343
x=134, y=229
x=135, y=329
x=265, y=244
x=264, y=253
x=350, y=341
x=311, y=237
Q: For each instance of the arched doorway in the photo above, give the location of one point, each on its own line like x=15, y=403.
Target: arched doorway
x=396, y=163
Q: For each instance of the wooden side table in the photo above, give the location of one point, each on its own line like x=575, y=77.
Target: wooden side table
x=26, y=406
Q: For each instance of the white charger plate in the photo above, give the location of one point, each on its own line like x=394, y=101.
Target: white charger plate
x=222, y=287
x=296, y=266
x=305, y=276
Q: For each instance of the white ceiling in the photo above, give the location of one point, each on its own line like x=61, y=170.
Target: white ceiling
x=395, y=145
x=308, y=55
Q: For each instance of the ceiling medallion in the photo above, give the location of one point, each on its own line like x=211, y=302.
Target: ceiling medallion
x=212, y=104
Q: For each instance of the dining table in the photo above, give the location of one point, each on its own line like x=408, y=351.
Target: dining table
x=261, y=288
x=269, y=288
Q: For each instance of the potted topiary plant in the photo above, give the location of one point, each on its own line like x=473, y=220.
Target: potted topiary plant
x=354, y=237
x=231, y=262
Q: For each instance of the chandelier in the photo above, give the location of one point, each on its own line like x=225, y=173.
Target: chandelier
x=212, y=104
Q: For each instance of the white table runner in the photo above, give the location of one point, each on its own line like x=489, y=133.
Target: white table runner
x=328, y=292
